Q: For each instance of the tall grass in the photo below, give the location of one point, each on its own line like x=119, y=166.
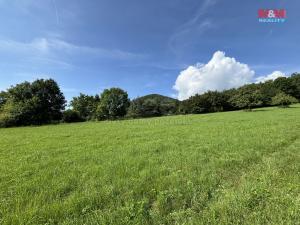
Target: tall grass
x=221, y=168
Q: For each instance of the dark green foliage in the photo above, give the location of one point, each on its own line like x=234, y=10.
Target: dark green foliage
x=35, y=103
x=283, y=100
x=268, y=91
x=3, y=98
x=247, y=97
x=184, y=107
x=228, y=106
x=85, y=105
x=50, y=101
x=143, y=108
x=113, y=104
x=285, y=85
x=70, y=116
x=211, y=101
x=8, y=115
x=152, y=105
x=296, y=85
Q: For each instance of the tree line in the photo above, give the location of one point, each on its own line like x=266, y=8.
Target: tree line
x=42, y=102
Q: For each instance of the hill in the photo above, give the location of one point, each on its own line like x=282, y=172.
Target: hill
x=160, y=98
x=153, y=105
x=221, y=168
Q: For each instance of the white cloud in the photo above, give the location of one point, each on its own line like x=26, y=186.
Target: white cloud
x=187, y=33
x=12, y=47
x=219, y=73
x=271, y=76
x=53, y=47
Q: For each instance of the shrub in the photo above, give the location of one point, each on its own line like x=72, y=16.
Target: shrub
x=16, y=114
x=71, y=116
x=6, y=117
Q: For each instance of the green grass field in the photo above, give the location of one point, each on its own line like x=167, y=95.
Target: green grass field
x=221, y=168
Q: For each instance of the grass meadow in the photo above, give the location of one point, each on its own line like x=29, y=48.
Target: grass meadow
x=221, y=168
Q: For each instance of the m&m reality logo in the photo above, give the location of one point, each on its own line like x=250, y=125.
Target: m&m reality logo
x=271, y=15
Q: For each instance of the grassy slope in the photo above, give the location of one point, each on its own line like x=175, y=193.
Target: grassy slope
x=233, y=167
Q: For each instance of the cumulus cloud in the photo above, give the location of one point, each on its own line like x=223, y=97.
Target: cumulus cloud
x=271, y=76
x=219, y=73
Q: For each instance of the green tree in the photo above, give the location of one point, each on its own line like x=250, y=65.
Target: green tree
x=285, y=85
x=7, y=117
x=113, y=104
x=18, y=113
x=3, y=98
x=184, y=107
x=295, y=78
x=283, y=100
x=50, y=101
x=38, y=102
x=247, y=97
x=85, y=105
x=211, y=101
x=228, y=94
x=268, y=91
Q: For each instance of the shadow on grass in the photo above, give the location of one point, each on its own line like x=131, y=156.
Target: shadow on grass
x=260, y=110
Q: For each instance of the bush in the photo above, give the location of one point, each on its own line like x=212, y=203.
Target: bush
x=71, y=116
x=283, y=100
x=15, y=114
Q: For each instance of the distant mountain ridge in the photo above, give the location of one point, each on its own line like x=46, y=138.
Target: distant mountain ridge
x=153, y=105
x=161, y=98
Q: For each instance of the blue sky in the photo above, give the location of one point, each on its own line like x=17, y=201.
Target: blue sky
x=139, y=45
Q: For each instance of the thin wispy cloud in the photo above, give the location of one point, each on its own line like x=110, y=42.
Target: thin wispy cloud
x=179, y=38
x=56, y=11
x=196, y=25
x=155, y=65
x=51, y=48
x=200, y=12
x=46, y=11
